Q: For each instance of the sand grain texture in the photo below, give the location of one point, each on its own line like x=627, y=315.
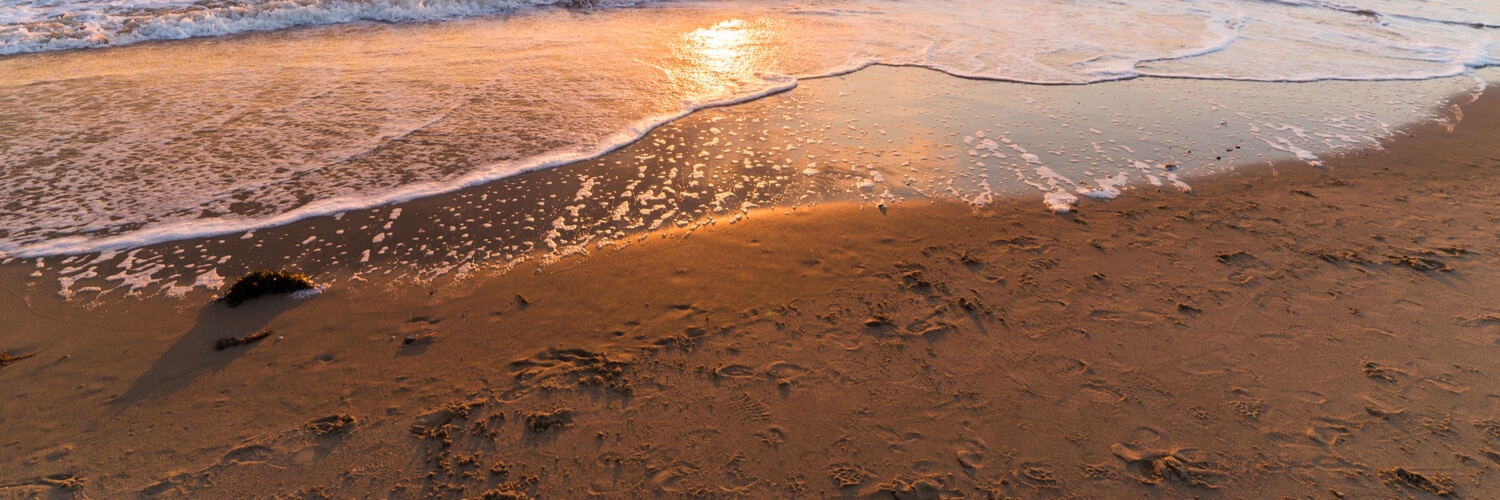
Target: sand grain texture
x=1284, y=331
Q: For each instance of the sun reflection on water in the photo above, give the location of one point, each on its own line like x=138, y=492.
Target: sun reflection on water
x=732, y=54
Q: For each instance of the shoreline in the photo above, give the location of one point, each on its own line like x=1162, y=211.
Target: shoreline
x=73, y=215
x=109, y=244
x=514, y=229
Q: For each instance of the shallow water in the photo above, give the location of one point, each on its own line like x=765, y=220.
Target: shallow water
x=119, y=148
x=884, y=135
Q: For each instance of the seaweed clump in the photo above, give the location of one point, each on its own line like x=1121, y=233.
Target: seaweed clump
x=264, y=282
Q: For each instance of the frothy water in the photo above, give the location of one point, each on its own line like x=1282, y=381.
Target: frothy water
x=43, y=25
x=884, y=135
x=113, y=149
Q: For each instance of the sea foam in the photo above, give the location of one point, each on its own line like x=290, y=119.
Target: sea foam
x=119, y=148
x=42, y=25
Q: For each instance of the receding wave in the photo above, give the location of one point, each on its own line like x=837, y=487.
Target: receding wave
x=104, y=149
x=42, y=25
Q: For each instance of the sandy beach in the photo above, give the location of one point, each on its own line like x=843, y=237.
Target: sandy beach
x=1280, y=331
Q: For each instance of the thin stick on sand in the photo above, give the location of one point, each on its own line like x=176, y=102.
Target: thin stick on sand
x=419, y=336
x=6, y=358
x=226, y=343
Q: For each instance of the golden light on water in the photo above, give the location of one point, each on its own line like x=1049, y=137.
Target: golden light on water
x=722, y=46
x=727, y=55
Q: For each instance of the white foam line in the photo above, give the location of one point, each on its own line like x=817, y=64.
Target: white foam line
x=149, y=235
x=61, y=29
x=1228, y=29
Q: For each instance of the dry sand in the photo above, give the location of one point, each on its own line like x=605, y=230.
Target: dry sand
x=1284, y=332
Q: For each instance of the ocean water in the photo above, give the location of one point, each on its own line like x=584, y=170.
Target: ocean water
x=275, y=111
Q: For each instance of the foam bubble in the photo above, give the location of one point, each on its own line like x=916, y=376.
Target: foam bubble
x=1060, y=201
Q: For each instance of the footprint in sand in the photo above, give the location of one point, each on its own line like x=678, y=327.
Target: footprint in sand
x=570, y=368
x=248, y=454
x=1140, y=317
x=1247, y=406
x=1489, y=429
x=26, y=491
x=1384, y=405
x=1478, y=320
x=847, y=475
x=749, y=409
x=1441, y=384
x=668, y=478
x=1039, y=475
x=970, y=454
x=1070, y=366
x=1214, y=362
x=52, y=453
x=917, y=486
x=774, y=436
x=1145, y=434
x=969, y=459
x=1188, y=466
x=1103, y=391
x=782, y=370
x=51, y=486
x=734, y=371
x=1331, y=432
x=923, y=327
x=897, y=441
x=1381, y=372
x=307, y=445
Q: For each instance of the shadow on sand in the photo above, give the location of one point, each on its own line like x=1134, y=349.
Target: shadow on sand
x=194, y=355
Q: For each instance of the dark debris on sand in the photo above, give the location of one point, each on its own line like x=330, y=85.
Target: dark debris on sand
x=334, y=424
x=419, y=336
x=264, y=282
x=1419, y=263
x=542, y=421
x=1437, y=485
x=6, y=358
x=229, y=342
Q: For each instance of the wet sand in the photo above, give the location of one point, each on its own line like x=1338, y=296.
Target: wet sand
x=1282, y=331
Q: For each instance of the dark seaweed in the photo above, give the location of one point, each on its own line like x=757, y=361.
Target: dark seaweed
x=264, y=282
